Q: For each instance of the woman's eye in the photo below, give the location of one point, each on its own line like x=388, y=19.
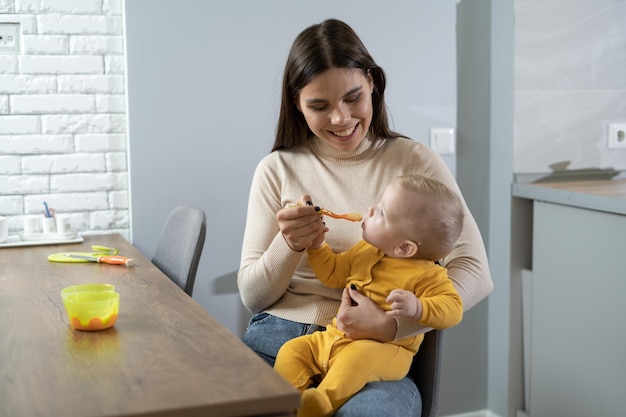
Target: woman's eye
x=353, y=99
x=318, y=108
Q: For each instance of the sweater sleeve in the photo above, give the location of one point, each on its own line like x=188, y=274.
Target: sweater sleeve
x=267, y=262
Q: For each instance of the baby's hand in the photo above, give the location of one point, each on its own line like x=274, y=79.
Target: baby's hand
x=404, y=303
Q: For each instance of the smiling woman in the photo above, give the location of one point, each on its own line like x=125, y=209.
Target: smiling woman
x=334, y=146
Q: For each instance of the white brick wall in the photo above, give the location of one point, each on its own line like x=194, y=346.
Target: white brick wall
x=63, y=115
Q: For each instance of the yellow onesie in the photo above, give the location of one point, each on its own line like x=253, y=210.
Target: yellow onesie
x=344, y=366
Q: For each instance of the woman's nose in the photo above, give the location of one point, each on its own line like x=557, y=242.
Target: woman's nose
x=370, y=211
x=340, y=115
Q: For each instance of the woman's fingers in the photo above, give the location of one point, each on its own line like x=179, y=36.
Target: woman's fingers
x=300, y=224
x=360, y=318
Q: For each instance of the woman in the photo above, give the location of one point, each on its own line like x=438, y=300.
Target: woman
x=334, y=147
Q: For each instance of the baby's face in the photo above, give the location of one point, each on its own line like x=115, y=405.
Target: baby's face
x=382, y=226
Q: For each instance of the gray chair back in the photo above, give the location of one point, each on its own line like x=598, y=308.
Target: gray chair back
x=426, y=371
x=180, y=246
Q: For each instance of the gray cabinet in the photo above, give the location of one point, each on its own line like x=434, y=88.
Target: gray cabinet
x=578, y=329
x=577, y=310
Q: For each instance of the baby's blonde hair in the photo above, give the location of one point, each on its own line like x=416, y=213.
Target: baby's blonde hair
x=437, y=220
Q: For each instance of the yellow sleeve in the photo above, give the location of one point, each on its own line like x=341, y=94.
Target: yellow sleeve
x=332, y=269
x=442, y=306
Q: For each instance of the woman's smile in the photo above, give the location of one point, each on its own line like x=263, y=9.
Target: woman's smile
x=345, y=133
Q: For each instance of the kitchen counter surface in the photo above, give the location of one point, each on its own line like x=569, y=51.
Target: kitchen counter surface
x=601, y=195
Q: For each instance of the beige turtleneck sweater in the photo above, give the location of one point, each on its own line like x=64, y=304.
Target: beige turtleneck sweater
x=275, y=279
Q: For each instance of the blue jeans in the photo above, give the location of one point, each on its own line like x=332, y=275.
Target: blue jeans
x=267, y=333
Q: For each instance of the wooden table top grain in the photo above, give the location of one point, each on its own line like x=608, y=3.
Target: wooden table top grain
x=165, y=356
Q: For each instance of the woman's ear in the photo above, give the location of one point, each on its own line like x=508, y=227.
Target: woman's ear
x=296, y=101
x=406, y=249
x=370, y=79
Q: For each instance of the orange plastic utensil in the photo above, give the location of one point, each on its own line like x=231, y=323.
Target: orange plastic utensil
x=353, y=217
x=106, y=259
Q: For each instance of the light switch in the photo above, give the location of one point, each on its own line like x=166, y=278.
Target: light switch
x=9, y=38
x=442, y=140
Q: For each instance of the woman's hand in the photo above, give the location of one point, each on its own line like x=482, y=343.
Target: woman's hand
x=360, y=318
x=301, y=225
x=404, y=303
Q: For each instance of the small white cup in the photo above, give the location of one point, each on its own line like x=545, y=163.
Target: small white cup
x=4, y=229
x=49, y=225
x=31, y=225
x=63, y=225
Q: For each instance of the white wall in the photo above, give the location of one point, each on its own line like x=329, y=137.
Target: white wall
x=62, y=114
x=570, y=82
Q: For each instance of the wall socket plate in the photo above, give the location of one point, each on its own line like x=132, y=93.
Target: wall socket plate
x=442, y=140
x=617, y=135
x=9, y=38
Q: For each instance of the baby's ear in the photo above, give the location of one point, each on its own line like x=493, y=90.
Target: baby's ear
x=406, y=249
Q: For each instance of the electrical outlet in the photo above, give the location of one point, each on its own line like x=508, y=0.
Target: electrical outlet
x=9, y=38
x=617, y=136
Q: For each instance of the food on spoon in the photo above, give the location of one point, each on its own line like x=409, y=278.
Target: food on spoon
x=353, y=217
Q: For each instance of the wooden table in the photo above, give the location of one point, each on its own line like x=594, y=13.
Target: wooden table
x=165, y=356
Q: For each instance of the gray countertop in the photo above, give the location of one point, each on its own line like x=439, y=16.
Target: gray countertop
x=601, y=195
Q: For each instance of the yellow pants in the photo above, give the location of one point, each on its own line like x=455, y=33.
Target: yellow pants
x=344, y=365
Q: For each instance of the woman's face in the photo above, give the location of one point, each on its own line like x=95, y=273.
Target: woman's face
x=337, y=106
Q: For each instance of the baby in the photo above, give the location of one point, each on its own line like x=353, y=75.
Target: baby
x=416, y=223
